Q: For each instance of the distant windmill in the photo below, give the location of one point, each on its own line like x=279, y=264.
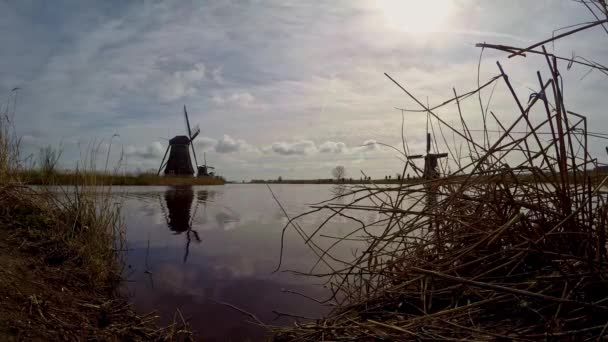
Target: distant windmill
x=204, y=170
x=179, y=162
x=430, y=160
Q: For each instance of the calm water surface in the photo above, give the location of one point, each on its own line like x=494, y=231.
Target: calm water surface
x=192, y=247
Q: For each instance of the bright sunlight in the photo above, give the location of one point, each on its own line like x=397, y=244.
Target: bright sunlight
x=415, y=16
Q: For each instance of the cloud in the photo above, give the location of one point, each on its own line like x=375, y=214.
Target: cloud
x=229, y=145
x=303, y=147
x=370, y=145
x=332, y=147
x=217, y=75
x=181, y=83
x=225, y=145
x=367, y=146
x=205, y=143
x=154, y=151
x=308, y=147
x=241, y=99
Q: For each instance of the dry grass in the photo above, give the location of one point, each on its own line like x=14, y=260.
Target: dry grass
x=509, y=246
x=37, y=177
x=60, y=251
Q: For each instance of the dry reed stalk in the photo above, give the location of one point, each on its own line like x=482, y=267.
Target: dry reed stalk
x=489, y=251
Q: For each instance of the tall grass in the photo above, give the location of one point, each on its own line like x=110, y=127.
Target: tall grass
x=9, y=150
x=80, y=224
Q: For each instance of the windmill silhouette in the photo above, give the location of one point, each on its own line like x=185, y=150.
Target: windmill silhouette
x=431, y=160
x=205, y=170
x=179, y=215
x=179, y=162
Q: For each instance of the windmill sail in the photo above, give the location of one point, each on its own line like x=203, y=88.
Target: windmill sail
x=190, y=136
x=195, y=132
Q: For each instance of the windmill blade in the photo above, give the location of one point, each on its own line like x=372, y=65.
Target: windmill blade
x=196, y=131
x=194, y=154
x=163, y=161
x=191, y=137
x=428, y=143
x=441, y=155
x=416, y=156
x=187, y=122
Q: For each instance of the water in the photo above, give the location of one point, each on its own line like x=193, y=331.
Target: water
x=192, y=247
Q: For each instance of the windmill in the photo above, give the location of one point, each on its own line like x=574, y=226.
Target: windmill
x=430, y=160
x=179, y=162
x=203, y=170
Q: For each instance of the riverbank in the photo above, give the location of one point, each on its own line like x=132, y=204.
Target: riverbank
x=482, y=177
x=61, y=271
x=99, y=178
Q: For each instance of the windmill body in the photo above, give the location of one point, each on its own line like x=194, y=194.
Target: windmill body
x=179, y=162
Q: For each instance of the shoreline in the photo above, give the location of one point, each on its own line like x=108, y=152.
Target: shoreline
x=60, y=280
x=58, y=178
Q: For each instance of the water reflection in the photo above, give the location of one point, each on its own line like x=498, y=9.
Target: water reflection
x=177, y=212
x=204, y=245
x=178, y=205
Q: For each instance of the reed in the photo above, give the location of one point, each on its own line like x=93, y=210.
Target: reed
x=511, y=245
x=38, y=177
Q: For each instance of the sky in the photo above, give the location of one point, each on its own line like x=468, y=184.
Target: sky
x=278, y=88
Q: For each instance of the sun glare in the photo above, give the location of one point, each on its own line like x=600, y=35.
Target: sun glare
x=415, y=16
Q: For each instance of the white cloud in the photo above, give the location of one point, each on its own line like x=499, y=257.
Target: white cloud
x=227, y=144
x=303, y=147
x=308, y=147
x=332, y=147
x=205, y=143
x=155, y=150
x=370, y=145
x=241, y=99
x=180, y=83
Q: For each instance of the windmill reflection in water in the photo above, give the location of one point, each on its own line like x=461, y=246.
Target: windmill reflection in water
x=179, y=214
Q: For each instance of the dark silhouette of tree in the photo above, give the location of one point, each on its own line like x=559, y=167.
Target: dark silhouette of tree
x=338, y=172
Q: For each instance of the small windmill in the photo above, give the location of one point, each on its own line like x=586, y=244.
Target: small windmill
x=430, y=160
x=179, y=162
x=204, y=170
